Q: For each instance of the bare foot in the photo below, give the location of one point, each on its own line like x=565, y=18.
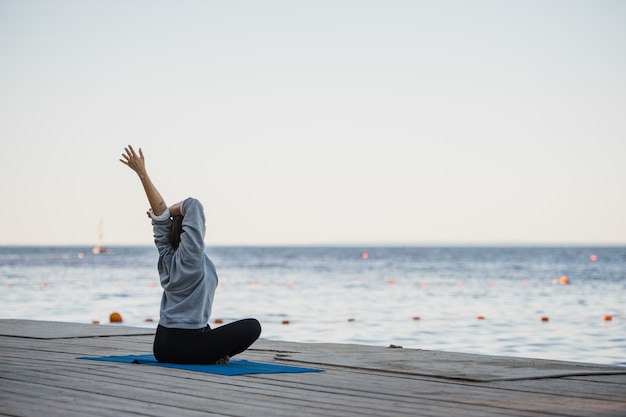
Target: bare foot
x=223, y=361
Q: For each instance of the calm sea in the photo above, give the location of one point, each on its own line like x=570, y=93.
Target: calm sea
x=510, y=301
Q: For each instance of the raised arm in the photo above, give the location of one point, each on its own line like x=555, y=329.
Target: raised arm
x=138, y=164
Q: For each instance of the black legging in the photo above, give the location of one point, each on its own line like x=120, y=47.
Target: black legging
x=206, y=345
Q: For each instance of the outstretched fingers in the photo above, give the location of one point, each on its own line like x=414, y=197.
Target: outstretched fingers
x=127, y=155
x=130, y=156
x=131, y=152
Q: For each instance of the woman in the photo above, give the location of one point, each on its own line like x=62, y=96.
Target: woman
x=189, y=280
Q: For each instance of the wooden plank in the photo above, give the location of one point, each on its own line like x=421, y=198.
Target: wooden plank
x=603, y=379
x=409, y=389
x=63, y=330
x=83, y=377
x=121, y=396
x=18, y=405
x=230, y=386
x=36, y=371
x=470, y=367
x=327, y=393
x=61, y=400
x=579, y=387
x=330, y=403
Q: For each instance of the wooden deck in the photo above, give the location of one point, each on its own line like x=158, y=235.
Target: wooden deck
x=40, y=376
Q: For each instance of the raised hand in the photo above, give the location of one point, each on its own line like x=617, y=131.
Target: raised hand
x=136, y=162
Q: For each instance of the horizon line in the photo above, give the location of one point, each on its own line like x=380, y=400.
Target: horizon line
x=337, y=244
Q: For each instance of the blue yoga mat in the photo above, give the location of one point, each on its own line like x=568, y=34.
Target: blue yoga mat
x=234, y=367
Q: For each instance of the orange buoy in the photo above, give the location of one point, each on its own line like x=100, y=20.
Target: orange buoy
x=480, y=317
x=115, y=318
x=365, y=255
x=218, y=321
x=391, y=281
x=545, y=318
x=255, y=282
x=285, y=321
x=593, y=258
x=608, y=317
x=564, y=280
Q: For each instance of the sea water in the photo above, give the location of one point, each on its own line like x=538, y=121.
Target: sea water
x=565, y=303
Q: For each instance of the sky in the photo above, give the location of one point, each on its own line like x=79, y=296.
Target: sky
x=316, y=122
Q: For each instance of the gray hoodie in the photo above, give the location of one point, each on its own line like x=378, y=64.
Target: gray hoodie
x=187, y=274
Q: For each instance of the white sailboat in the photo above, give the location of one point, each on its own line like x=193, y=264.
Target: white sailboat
x=100, y=249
